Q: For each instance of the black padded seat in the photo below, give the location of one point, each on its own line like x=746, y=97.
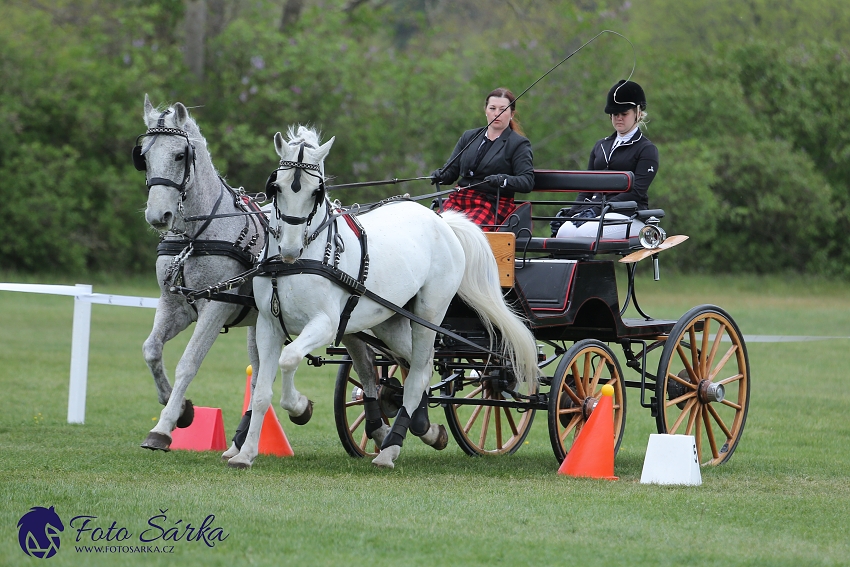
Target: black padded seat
x=593, y=181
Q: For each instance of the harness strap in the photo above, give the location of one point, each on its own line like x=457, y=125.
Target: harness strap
x=206, y=248
x=277, y=268
x=240, y=317
x=277, y=311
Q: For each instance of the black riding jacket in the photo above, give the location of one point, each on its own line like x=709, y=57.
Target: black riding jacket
x=638, y=155
x=510, y=154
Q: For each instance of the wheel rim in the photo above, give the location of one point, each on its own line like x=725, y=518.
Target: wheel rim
x=487, y=430
x=571, y=400
x=703, y=387
x=349, y=410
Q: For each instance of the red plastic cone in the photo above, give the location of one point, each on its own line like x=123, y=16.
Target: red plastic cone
x=592, y=453
x=272, y=438
x=205, y=434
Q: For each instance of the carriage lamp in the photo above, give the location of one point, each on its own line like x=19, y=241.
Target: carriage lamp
x=651, y=236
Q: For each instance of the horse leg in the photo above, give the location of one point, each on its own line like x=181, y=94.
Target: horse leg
x=170, y=320
x=396, y=333
x=363, y=360
x=269, y=341
x=319, y=331
x=242, y=428
x=210, y=320
x=415, y=387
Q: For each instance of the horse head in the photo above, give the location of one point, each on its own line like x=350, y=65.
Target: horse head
x=297, y=188
x=166, y=153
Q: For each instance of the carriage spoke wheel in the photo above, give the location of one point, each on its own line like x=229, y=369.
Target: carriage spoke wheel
x=488, y=430
x=577, y=387
x=349, y=413
x=703, y=386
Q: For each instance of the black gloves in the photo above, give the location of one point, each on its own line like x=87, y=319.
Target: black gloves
x=498, y=181
x=436, y=176
x=585, y=214
x=588, y=213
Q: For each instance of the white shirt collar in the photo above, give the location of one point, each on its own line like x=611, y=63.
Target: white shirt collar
x=621, y=138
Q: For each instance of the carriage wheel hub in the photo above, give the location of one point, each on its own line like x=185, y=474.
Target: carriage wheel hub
x=710, y=392
x=587, y=406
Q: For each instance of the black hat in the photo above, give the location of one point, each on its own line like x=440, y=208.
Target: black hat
x=623, y=96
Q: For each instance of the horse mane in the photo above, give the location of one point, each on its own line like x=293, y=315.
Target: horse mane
x=301, y=133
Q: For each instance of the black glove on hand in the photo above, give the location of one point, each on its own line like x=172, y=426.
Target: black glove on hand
x=585, y=214
x=497, y=181
x=436, y=176
x=556, y=224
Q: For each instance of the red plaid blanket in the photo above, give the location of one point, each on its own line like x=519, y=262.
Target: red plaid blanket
x=480, y=208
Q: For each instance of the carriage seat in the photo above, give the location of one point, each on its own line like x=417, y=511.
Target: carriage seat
x=577, y=245
x=605, y=181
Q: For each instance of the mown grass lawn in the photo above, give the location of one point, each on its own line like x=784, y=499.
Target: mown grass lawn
x=783, y=499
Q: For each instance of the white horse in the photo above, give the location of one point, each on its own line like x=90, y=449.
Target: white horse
x=416, y=259
x=195, y=253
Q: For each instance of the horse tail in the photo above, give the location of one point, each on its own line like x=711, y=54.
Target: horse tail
x=480, y=289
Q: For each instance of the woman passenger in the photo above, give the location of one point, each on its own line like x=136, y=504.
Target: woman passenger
x=627, y=149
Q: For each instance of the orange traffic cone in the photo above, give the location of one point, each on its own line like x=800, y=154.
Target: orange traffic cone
x=272, y=438
x=592, y=453
x=205, y=434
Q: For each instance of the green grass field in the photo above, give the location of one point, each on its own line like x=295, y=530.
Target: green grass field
x=783, y=499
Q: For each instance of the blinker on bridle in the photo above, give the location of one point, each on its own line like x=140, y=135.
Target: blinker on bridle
x=139, y=152
x=298, y=166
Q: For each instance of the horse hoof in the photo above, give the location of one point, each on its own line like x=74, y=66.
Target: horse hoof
x=304, y=417
x=230, y=453
x=442, y=439
x=236, y=463
x=436, y=437
x=188, y=416
x=157, y=442
x=386, y=458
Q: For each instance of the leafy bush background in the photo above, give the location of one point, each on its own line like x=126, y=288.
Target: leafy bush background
x=748, y=108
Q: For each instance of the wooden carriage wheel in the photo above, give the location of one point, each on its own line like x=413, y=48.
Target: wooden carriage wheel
x=487, y=430
x=577, y=386
x=349, y=413
x=703, y=386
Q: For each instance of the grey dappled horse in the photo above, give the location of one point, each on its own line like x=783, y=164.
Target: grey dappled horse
x=187, y=202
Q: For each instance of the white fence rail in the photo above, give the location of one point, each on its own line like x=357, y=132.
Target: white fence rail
x=83, y=299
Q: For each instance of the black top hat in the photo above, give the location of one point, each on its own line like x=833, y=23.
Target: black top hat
x=623, y=96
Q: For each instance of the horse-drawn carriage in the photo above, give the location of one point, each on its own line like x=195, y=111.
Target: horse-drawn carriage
x=567, y=291
x=564, y=289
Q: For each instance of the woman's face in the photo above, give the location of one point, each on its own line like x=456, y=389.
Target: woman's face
x=624, y=121
x=495, y=105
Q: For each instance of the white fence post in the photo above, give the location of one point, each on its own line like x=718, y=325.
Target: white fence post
x=79, y=355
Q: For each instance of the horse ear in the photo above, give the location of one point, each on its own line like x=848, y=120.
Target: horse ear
x=182, y=114
x=148, y=108
x=325, y=148
x=278, y=144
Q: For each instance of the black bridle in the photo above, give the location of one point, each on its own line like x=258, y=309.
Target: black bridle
x=141, y=164
x=318, y=195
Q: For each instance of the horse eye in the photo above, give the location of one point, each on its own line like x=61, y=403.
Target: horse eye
x=179, y=157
